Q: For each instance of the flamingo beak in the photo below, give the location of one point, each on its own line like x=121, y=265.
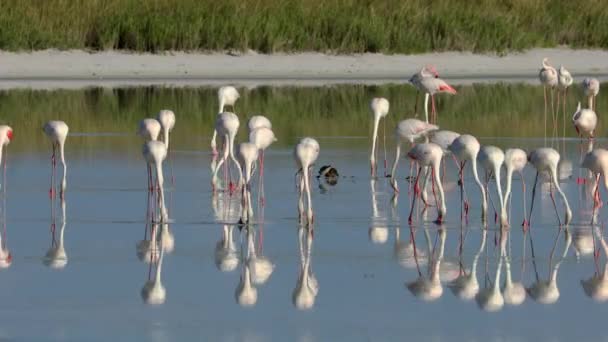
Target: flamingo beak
x=9, y=135
x=447, y=89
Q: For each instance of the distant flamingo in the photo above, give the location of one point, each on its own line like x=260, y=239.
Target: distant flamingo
x=408, y=131
x=515, y=161
x=416, y=79
x=564, y=80
x=57, y=131
x=545, y=159
x=248, y=153
x=465, y=148
x=596, y=161
x=584, y=121
x=258, y=121
x=492, y=158
x=306, y=153
x=227, y=125
x=166, y=118
x=429, y=154
x=591, y=87
x=379, y=107
x=548, y=78
x=227, y=96
x=262, y=137
x=155, y=153
x=432, y=86
x=149, y=130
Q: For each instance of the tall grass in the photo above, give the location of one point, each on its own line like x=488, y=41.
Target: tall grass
x=341, y=26
x=482, y=110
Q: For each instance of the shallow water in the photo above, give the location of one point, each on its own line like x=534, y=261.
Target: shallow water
x=361, y=252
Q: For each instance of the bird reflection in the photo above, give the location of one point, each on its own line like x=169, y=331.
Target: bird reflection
x=147, y=249
x=246, y=294
x=56, y=257
x=514, y=293
x=260, y=266
x=429, y=288
x=307, y=286
x=466, y=286
x=546, y=291
x=6, y=258
x=153, y=292
x=596, y=287
x=378, y=230
x=490, y=298
x=226, y=256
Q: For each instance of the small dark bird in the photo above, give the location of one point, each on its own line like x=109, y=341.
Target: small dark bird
x=330, y=174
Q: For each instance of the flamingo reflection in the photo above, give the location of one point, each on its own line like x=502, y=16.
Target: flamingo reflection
x=56, y=257
x=429, y=288
x=596, y=287
x=307, y=286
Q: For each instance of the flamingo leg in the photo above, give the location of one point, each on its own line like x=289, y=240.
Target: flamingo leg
x=596, y=199
x=434, y=110
x=416, y=104
x=384, y=144
x=416, y=191
x=524, y=224
x=532, y=202
x=53, y=170
x=545, y=96
x=554, y=204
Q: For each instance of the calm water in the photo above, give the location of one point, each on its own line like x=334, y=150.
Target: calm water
x=361, y=253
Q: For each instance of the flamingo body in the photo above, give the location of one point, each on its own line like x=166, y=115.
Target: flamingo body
x=149, y=129
x=584, y=121
x=492, y=158
x=258, y=121
x=564, y=78
x=167, y=121
x=429, y=154
x=262, y=137
x=547, y=74
x=546, y=159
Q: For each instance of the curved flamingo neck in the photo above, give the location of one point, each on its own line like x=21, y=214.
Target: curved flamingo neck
x=484, y=204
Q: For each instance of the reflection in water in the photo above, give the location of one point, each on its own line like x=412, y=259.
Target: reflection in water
x=57, y=132
x=260, y=266
x=466, y=285
x=514, y=293
x=429, y=288
x=56, y=257
x=153, y=292
x=378, y=230
x=6, y=258
x=596, y=287
x=226, y=256
x=307, y=286
x=546, y=291
x=246, y=294
x=490, y=298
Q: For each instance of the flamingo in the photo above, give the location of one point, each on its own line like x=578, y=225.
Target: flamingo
x=248, y=153
x=227, y=125
x=492, y=158
x=57, y=131
x=416, y=79
x=154, y=153
x=262, y=137
x=564, y=80
x=379, y=107
x=596, y=161
x=408, y=130
x=306, y=153
x=515, y=161
x=591, y=87
x=548, y=78
x=166, y=118
x=545, y=159
x=465, y=148
x=584, y=121
x=227, y=96
x=429, y=154
x=149, y=130
x=258, y=121
x=432, y=86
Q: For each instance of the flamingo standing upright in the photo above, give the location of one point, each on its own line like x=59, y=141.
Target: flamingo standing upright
x=564, y=80
x=545, y=159
x=306, y=153
x=429, y=154
x=515, y=161
x=465, y=148
x=492, y=158
x=227, y=125
x=227, y=96
x=416, y=79
x=584, y=121
x=432, y=86
x=591, y=87
x=379, y=107
x=262, y=137
x=548, y=78
x=57, y=131
x=408, y=131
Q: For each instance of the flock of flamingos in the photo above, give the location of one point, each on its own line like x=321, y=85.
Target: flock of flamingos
x=429, y=148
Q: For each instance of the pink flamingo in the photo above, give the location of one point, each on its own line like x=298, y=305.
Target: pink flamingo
x=429, y=154
x=591, y=87
x=432, y=86
x=548, y=78
x=416, y=79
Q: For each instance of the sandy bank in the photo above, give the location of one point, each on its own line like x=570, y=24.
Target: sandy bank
x=73, y=69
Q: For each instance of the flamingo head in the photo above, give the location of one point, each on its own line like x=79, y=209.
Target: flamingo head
x=546, y=62
x=431, y=68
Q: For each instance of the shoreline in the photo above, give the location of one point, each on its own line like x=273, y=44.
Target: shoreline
x=53, y=69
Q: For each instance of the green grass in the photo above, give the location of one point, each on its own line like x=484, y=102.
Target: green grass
x=483, y=110
x=338, y=26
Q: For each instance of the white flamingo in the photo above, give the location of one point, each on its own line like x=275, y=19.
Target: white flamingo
x=591, y=87
x=564, y=81
x=258, y=121
x=262, y=137
x=432, y=86
x=227, y=96
x=380, y=107
x=492, y=158
x=227, y=126
x=584, y=121
x=149, y=129
x=57, y=131
x=306, y=153
x=248, y=153
x=515, y=161
x=429, y=154
x=548, y=78
x=155, y=153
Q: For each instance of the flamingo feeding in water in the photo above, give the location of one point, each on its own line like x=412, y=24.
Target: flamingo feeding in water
x=248, y=153
x=57, y=131
x=379, y=107
x=227, y=96
x=149, y=130
x=515, y=161
x=596, y=161
x=465, y=148
x=262, y=137
x=429, y=154
x=548, y=78
x=155, y=153
x=492, y=158
x=306, y=153
x=591, y=87
x=545, y=159
x=584, y=121
x=227, y=125
x=167, y=121
x=408, y=131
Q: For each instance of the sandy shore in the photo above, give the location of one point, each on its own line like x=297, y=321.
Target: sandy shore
x=73, y=69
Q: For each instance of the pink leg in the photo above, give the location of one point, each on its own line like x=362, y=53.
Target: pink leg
x=416, y=192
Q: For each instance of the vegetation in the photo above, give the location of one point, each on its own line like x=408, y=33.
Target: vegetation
x=340, y=26
x=336, y=112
